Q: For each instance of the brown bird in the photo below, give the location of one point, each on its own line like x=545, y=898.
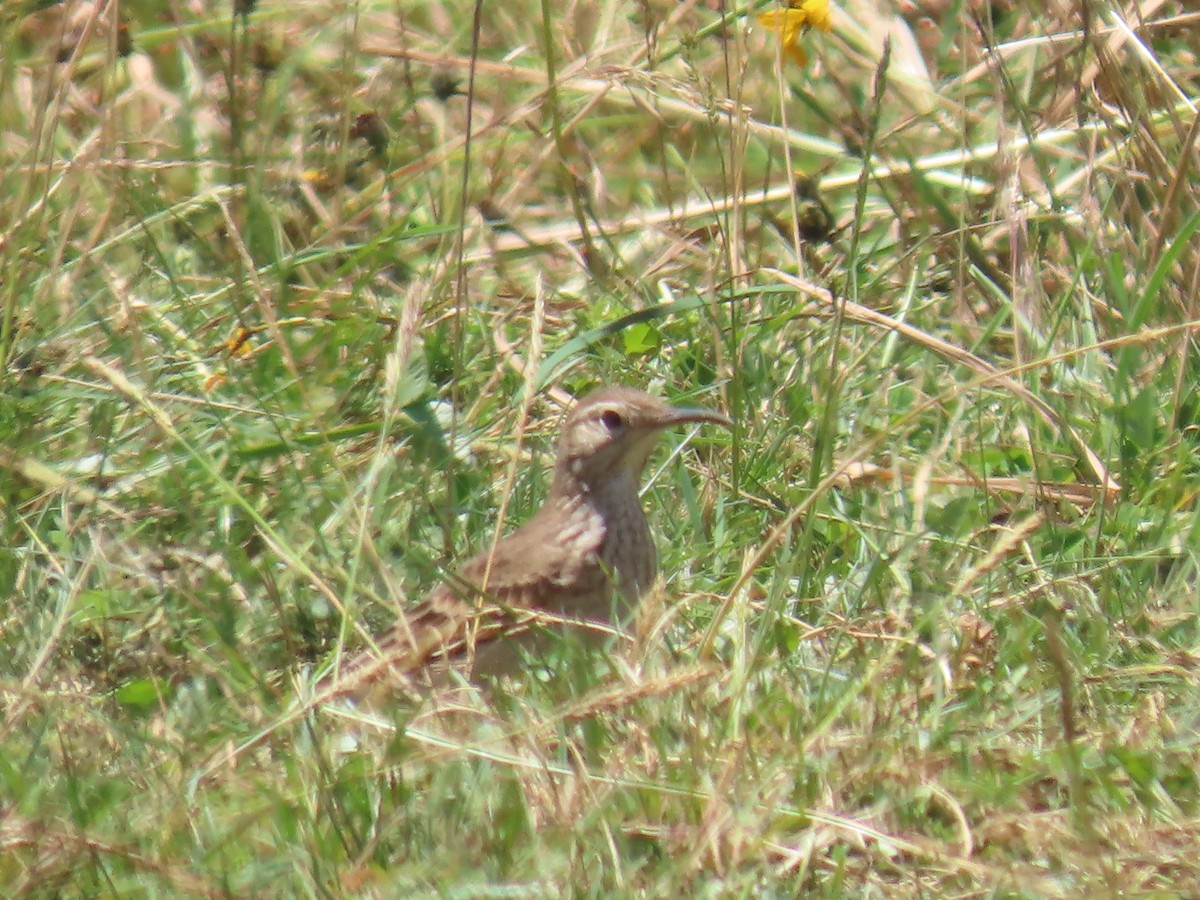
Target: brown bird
x=585, y=559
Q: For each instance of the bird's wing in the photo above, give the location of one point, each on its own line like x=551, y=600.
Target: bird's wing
x=547, y=565
x=544, y=572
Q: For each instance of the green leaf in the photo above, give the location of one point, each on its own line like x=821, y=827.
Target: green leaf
x=95, y=604
x=140, y=694
x=642, y=339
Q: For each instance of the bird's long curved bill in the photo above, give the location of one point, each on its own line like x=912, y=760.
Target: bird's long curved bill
x=682, y=415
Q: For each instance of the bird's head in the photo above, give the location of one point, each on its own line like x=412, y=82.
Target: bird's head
x=610, y=434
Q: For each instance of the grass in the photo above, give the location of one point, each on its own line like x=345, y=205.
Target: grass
x=280, y=341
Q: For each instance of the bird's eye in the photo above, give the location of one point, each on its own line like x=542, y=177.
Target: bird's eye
x=612, y=420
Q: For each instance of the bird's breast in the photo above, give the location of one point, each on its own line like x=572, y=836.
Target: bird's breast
x=610, y=540
x=629, y=553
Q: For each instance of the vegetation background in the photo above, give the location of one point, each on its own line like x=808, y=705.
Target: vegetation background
x=292, y=296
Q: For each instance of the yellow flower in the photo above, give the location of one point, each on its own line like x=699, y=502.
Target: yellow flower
x=820, y=14
x=792, y=23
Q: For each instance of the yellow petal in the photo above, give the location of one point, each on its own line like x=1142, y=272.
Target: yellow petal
x=787, y=23
x=818, y=14
x=796, y=54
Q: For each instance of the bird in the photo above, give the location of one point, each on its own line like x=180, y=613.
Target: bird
x=584, y=560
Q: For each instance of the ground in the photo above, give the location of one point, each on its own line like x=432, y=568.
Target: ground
x=293, y=296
